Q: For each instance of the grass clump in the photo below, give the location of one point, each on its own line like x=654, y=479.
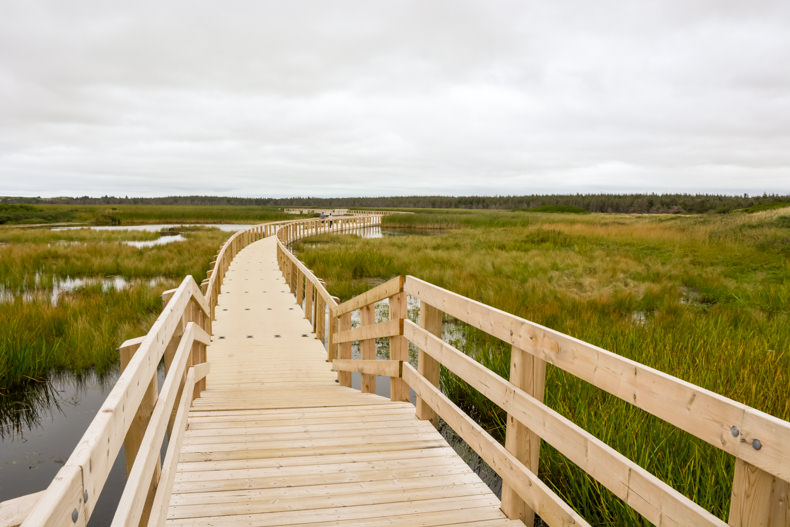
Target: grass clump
x=83, y=329
x=702, y=297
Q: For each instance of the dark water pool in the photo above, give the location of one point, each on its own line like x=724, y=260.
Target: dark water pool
x=41, y=432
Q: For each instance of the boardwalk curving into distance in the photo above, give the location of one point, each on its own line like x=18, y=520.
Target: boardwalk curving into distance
x=274, y=440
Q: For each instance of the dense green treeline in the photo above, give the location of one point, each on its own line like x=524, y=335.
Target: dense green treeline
x=620, y=203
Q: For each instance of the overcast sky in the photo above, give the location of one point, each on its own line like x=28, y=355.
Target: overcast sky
x=350, y=98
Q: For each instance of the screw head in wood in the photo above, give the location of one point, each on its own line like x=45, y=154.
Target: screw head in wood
x=734, y=431
x=75, y=515
x=756, y=444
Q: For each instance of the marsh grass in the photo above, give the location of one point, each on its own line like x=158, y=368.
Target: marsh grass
x=84, y=329
x=704, y=298
x=128, y=214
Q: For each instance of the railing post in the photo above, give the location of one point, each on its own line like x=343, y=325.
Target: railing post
x=308, y=300
x=318, y=320
x=332, y=349
x=299, y=287
x=344, y=350
x=134, y=435
x=528, y=373
x=431, y=321
x=758, y=498
x=399, y=346
x=368, y=347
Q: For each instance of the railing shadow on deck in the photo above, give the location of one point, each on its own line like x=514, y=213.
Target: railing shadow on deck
x=760, y=442
x=135, y=415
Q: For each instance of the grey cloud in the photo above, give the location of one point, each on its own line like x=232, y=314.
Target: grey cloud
x=273, y=98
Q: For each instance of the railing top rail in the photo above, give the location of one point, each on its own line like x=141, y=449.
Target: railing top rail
x=703, y=413
x=80, y=481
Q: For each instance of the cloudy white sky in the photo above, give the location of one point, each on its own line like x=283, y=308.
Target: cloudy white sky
x=349, y=98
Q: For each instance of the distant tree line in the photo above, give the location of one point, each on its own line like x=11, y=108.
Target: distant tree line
x=624, y=203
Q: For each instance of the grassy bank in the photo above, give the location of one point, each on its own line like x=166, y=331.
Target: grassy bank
x=86, y=326
x=704, y=298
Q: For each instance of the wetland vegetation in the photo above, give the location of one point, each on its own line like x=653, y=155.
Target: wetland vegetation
x=705, y=298
x=112, y=293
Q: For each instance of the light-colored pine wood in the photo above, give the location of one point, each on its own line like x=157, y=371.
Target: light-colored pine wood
x=430, y=321
x=367, y=315
x=273, y=439
x=652, y=498
x=388, y=368
x=96, y=452
x=399, y=347
x=14, y=511
x=134, y=435
x=380, y=292
x=344, y=348
x=158, y=512
x=131, y=505
x=703, y=413
x=528, y=373
x=388, y=328
x=540, y=498
x=758, y=499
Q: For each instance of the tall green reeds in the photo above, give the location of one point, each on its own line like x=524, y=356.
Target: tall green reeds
x=705, y=298
x=85, y=326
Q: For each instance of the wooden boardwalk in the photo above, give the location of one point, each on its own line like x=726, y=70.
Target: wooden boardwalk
x=274, y=440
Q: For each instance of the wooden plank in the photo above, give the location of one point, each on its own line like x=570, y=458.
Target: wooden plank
x=161, y=500
x=703, y=413
x=331, y=463
x=528, y=373
x=388, y=368
x=99, y=446
x=293, y=500
x=371, y=296
x=134, y=435
x=130, y=506
x=529, y=488
x=652, y=498
x=344, y=348
x=399, y=347
x=367, y=316
x=341, y=513
x=13, y=512
x=427, y=366
x=261, y=479
x=305, y=492
x=63, y=503
x=389, y=328
x=758, y=498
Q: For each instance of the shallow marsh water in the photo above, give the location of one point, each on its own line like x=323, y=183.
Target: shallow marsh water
x=34, y=445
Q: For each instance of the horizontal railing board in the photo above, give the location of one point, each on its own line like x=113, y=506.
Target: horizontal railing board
x=131, y=502
x=388, y=328
x=388, y=368
x=652, y=498
x=703, y=413
x=100, y=444
x=531, y=489
x=371, y=296
x=165, y=485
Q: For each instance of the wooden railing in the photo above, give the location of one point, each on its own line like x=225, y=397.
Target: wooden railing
x=137, y=414
x=759, y=442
